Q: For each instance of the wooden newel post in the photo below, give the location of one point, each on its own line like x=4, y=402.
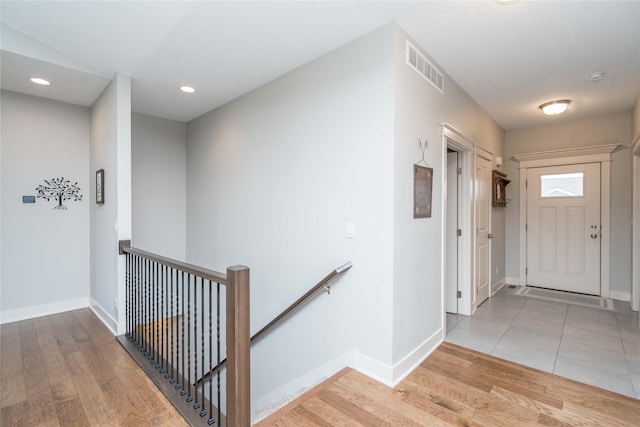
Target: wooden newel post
x=238, y=348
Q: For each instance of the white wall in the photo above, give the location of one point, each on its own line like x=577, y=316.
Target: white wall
x=159, y=174
x=610, y=129
x=273, y=178
x=110, y=222
x=45, y=252
x=419, y=112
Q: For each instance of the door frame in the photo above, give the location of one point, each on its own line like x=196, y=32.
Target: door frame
x=596, y=154
x=635, y=250
x=449, y=239
x=467, y=149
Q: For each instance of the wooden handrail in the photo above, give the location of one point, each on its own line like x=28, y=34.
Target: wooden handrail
x=323, y=284
x=205, y=273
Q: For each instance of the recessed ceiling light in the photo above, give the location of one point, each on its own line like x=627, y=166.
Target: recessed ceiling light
x=39, y=81
x=594, y=77
x=187, y=89
x=555, y=107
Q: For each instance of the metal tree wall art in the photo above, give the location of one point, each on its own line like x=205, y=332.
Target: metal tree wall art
x=59, y=189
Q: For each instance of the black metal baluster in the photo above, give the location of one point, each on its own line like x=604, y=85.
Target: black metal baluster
x=202, y=412
x=196, y=405
x=178, y=316
x=174, y=320
x=147, y=321
x=136, y=298
x=139, y=302
x=218, y=344
x=189, y=397
x=152, y=323
x=183, y=392
x=210, y=421
x=165, y=319
x=156, y=319
x=160, y=304
x=143, y=284
x=145, y=272
x=127, y=288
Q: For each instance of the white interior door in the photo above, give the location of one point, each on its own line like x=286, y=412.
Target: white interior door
x=563, y=228
x=483, y=229
x=452, y=233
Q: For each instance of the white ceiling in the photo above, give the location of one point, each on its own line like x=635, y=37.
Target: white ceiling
x=510, y=59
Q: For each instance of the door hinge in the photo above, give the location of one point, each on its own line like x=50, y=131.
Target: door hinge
x=526, y=183
x=526, y=270
x=526, y=227
x=459, y=294
x=459, y=171
x=459, y=232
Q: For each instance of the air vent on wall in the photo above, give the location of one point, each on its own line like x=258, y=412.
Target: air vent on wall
x=422, y=66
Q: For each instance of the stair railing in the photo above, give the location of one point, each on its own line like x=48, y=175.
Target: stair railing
x=171, y=311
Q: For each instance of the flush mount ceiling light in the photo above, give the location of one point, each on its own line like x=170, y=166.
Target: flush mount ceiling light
x=594, y=77
x=39, y=81
x=555, y=107
x=187, y=89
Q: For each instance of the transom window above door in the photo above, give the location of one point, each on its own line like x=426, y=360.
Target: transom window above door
x=562, y=185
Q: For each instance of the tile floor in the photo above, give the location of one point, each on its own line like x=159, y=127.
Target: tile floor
x=590, y=345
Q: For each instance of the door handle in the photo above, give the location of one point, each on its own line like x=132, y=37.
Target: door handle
x=489, y=236
x=594, y=236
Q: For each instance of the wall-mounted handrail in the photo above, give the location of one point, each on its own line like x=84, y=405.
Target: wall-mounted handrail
x=322, y=284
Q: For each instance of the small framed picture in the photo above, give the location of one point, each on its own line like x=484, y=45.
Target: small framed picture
x=100, y=187
x=422, y=187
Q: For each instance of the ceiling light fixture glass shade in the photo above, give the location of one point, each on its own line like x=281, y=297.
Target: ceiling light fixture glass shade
x=39, y=81
x=555, y=107
x=187, y=89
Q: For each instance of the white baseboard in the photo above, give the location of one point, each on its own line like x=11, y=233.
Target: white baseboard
x=40, y=310
x=498, y=285
x=620, y=295
x=375, y=369
x=512, y=280
x=270, y=403
x=106, y=318
x=393, y=375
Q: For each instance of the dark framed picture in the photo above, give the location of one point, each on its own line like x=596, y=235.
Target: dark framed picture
x=100, y=187
x=422, y=188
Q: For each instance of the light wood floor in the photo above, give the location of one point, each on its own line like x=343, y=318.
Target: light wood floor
x=457, y=386
x=68, y=370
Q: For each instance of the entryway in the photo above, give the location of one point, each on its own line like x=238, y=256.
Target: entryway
x=564, y=236
x=563, y=228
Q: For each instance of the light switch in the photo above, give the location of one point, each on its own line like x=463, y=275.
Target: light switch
x=351, y=230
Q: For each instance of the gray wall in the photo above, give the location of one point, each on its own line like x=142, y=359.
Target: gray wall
x=419, y=112
x=111, y=221
x=158, y=179
x=272, y=180
x=45, y=252
x=610, y=129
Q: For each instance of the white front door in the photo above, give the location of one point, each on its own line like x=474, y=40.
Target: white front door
x=563, y=228
x=483, y=229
